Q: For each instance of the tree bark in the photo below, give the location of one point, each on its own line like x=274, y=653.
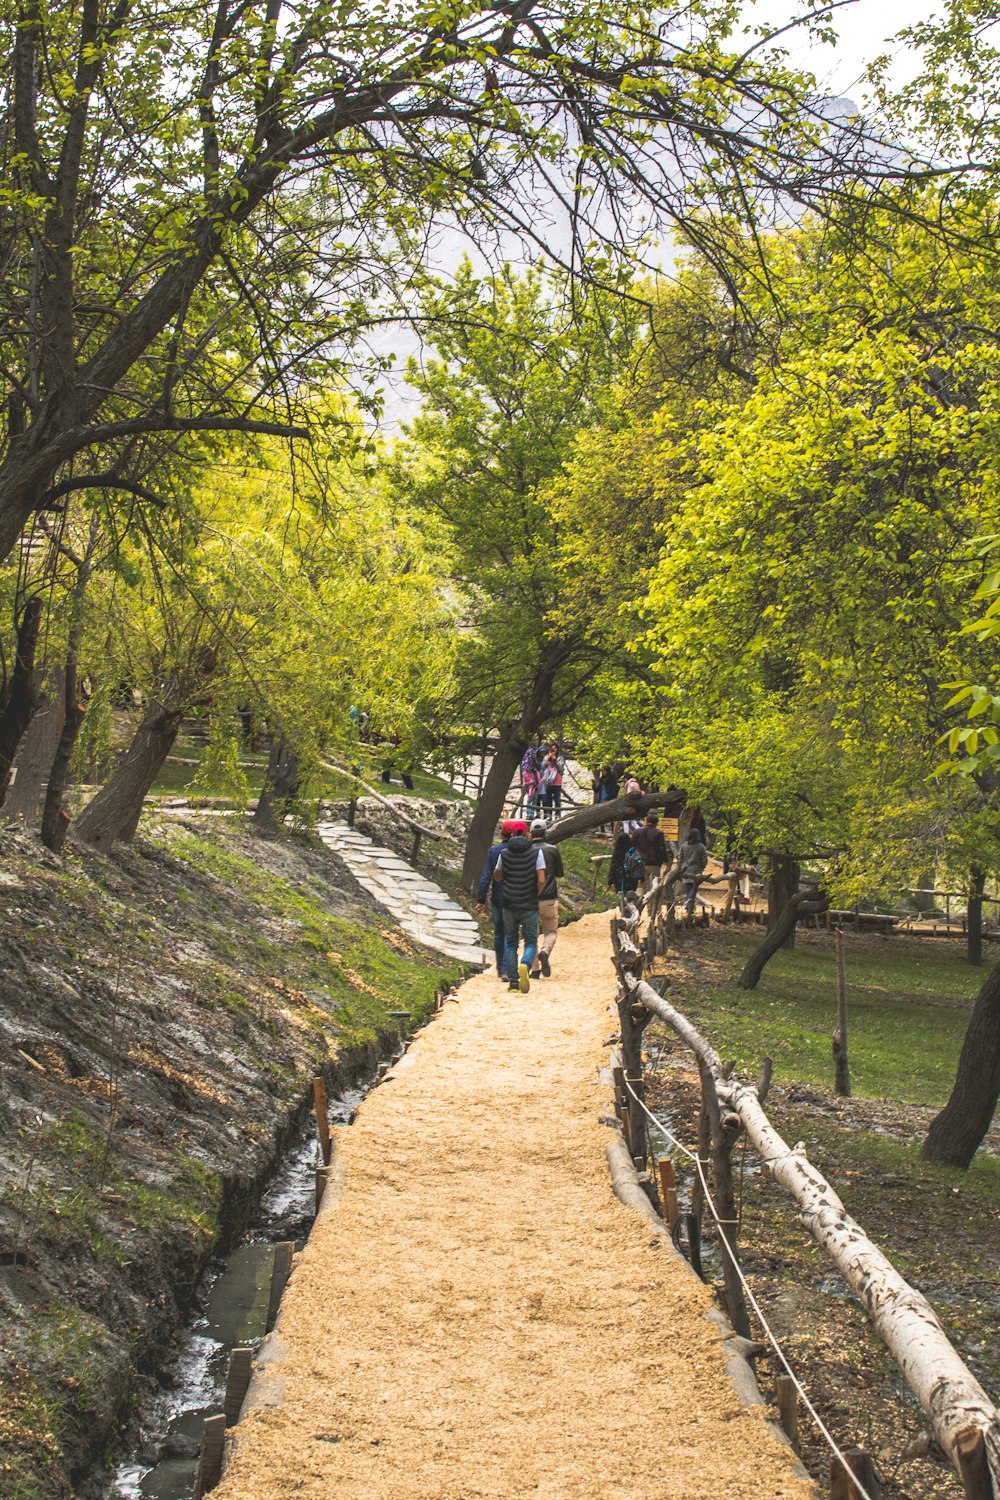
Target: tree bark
x=781, y=887
x=801, y=904
x=974, y=917
x=35, y=752
x=490, y=805
x=22, y=696
x=115, y=811
x=609, y=812
x=957, y=1132
x=841, y=1065
x=280, y=785
x=55, y=818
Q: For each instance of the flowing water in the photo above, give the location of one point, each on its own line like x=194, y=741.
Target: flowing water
x=234, y=1299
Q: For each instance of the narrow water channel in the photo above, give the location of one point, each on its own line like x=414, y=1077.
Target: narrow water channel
x=234, y=1299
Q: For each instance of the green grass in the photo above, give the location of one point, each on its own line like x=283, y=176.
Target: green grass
x=351, y=962
x=576, y=854
x=908, y=1007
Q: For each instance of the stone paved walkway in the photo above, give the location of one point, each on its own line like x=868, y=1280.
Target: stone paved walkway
x=421, y=908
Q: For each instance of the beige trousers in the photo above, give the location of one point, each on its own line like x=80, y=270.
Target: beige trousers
x=548, y=923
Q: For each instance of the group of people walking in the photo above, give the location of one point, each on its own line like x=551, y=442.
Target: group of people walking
x=641, y=853
x=520, y=878
x=542, y=772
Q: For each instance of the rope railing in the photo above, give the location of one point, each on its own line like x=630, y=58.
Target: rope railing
x=964, y=1421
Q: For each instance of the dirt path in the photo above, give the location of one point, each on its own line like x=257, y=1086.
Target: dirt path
x=475, y=1314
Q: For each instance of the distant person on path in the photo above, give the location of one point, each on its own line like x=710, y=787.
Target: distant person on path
x=631, y=785
x=531, y=780
x=487, y=885
x=548, y=900
x=692, y=859
x=653, y=847
x=627, y=865
x=520, y=873
x=553, y=768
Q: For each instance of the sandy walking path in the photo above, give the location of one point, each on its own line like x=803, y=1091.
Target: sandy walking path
x=475, y=1314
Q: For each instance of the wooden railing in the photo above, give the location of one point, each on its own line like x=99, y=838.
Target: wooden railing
x=964, y=1421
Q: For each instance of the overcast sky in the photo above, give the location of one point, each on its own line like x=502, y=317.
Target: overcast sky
x=865, y=29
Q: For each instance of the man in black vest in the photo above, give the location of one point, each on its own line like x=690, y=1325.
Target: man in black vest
x=520, y=873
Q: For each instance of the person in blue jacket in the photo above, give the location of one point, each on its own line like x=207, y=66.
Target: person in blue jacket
x=487, y=883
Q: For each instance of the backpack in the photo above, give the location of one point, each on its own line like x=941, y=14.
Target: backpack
x=633, y=867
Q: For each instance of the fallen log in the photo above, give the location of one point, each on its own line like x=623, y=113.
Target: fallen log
x=958, y=1408
x=610, y=812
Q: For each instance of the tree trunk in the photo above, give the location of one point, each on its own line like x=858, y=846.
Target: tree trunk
x=55, y=818
x=781, y=887
x=974, y=917
x=801, y=904
x=957, y=1132
x=280, y=785
x=490, y=805
x=34, y=755
x=115, y=811
x=22, y=696
x=583, y=818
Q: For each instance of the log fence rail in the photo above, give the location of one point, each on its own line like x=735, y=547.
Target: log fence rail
x=964, y=1422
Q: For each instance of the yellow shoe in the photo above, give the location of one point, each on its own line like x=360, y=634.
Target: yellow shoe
x=523, y=982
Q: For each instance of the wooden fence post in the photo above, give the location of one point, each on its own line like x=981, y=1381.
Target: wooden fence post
x=322, y=1120
x=786, y=1400
x=723, y=1136
x=841, y=1070
x=237, y=1384
x=280, y=1272
x=209, y=1471
x=974, y=1465
x=842, y=1486
x=668, y=1190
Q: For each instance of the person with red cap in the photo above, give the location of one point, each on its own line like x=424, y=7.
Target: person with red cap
x=520, y=875
x=487, y=883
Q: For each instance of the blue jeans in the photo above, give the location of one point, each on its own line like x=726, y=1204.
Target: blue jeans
x=499, y=938
x=527, y=922
x=553, y=799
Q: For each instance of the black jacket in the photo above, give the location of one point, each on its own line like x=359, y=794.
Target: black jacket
x=553, y=869
x=519, y=862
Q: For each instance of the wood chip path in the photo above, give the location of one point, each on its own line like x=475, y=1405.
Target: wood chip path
x=475, y=1314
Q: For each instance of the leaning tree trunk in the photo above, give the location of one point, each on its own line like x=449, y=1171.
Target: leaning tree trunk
x=115, y=811
x=22, y=696
x=280, y=785
x=55, y=818
x=490, y=806
x=34, y=755
x=974, y=917
x=782, y=886
x=957, y=1132
x=803, y=903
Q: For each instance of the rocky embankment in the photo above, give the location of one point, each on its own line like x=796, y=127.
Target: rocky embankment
x=162, y=1013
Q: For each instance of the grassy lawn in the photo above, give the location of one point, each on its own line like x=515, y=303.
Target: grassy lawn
x=908, y=1007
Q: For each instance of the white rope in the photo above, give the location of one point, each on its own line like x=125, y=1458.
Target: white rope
x=834, y=1449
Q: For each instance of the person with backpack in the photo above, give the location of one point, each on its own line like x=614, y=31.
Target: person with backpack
x=520, y=874
x=692, y=857
x=486, y=884
x=548, y=900
x=653, y=847
x=627, y=865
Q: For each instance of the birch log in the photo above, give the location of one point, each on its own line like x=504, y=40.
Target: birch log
x=955, y=1402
